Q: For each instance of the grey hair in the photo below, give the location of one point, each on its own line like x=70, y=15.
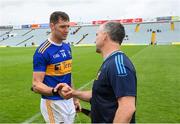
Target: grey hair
x=115, y=31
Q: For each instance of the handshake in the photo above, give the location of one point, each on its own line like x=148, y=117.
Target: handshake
x=64, y=90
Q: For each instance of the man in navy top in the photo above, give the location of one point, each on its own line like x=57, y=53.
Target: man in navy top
x=113, y=94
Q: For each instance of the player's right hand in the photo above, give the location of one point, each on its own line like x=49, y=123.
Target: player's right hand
x=64, y=90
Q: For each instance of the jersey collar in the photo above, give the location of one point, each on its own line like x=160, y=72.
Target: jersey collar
x=118, y=51
x=52, y=42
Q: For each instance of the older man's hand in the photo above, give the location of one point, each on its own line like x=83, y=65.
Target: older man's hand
x=64, y=90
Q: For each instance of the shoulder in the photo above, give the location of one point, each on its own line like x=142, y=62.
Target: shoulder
x=66, y=45
x=41, y=50
x=43, y=47
x=117, y=64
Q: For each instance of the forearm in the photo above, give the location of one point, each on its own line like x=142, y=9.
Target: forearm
x=123, y=115
x=83, y=95
x=41, y=88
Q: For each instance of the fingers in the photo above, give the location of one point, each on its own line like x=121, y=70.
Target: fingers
x=60, y=86
x=64, y=90
x=77, y=105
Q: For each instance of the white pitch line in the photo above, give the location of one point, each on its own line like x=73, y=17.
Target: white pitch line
x=85, y=85
x=31, y=119
x=139, y=52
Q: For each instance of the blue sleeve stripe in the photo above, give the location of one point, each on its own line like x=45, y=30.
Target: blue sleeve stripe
x=123, y=64
x=120, y=64
x=117, y=65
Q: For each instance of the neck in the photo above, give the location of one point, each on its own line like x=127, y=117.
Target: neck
x=55, y=39
x=106, y=51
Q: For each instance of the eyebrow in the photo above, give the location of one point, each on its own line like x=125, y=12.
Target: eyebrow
x=64, y=25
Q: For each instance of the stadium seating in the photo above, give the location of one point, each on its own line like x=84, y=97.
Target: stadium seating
x=86, y=34
x=26, y=37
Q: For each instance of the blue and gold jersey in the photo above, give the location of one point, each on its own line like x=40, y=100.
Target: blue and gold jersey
x=56, y=61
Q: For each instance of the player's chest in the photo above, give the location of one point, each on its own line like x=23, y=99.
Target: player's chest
x=59, y=56
x=60, y=63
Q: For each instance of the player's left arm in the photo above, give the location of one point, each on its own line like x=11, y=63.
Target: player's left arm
x=126, y=109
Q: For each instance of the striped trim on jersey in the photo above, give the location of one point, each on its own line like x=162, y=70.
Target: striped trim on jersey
x=44, y=47
x=120, y=65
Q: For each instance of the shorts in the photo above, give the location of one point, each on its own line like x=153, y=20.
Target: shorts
x=58, y=111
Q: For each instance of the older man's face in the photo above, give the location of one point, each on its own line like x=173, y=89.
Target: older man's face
x=99, y=39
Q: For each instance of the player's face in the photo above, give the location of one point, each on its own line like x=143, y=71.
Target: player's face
x=60, y=29
x=99, y=39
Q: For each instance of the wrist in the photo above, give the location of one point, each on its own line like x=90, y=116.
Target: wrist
x=74, y=94
x=54, y=92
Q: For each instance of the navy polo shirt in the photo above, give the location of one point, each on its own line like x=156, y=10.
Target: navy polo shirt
x=116, y=78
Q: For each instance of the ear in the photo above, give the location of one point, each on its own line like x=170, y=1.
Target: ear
x=105, y=36
x=51, y=25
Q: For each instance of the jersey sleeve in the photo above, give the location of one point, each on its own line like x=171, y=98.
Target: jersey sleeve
x=122, y=79
x=39, y=62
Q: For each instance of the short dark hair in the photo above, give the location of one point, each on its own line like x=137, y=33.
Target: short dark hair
x=115, y=31
x=55, y=16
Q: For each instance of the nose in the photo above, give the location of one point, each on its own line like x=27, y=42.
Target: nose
x=67, y=29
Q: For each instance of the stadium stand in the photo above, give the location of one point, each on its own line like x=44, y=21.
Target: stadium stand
x=78, y=37
x=25, y=37
x=136, y=33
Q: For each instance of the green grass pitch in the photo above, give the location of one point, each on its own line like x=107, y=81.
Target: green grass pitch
x=158, y=72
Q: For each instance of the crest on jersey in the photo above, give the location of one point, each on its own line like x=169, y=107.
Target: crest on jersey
x=98, y=75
